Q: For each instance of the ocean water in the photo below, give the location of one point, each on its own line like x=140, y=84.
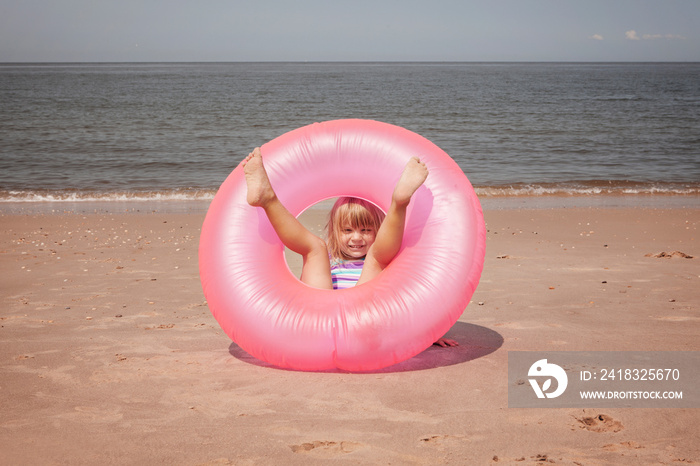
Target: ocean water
x=110, y=132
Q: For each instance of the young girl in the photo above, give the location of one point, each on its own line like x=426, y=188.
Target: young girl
x=361, y=243
x=351, y=227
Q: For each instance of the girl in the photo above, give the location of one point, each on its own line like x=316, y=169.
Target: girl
x=351, y=228
x=361, y=243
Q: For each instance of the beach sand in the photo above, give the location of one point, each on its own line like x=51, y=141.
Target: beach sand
x=109, y=354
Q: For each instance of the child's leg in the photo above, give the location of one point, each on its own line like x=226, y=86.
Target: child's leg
x=390, y=235
x=316, y=270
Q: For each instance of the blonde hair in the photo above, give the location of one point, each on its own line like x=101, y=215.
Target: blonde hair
x=352, y=211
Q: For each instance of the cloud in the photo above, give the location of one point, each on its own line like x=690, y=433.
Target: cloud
x=661, y=36
x=632, y=35
x=596, y=37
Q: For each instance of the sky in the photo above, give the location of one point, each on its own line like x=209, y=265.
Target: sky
x=348, y=30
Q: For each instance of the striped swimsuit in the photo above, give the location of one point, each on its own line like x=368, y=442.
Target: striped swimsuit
x=345, y=274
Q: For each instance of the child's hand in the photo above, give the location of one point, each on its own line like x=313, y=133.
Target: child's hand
x=444, y=342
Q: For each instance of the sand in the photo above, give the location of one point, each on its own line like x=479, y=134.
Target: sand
x=109, y=354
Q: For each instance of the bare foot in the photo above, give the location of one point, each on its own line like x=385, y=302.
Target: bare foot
x=413, y=176
x=260, y=190
x=444, y=342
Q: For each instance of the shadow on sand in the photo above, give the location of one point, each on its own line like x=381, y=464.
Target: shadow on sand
x=474, y=342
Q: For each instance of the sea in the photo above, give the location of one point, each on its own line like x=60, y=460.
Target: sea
x=530, y=133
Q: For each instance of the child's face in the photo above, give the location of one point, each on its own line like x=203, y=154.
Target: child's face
x=355, y=242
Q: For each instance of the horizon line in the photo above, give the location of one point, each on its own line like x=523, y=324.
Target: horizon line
x=351, y=62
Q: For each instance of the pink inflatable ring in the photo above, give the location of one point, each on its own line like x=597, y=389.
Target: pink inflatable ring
x=273, y=316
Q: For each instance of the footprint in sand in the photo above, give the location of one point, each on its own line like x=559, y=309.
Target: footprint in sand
x=600, y=423
x=442, y=440
x=630, y=445
x=668, y=255
x=326, y=449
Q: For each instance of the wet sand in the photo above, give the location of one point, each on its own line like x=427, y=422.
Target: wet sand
x=109, y=354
